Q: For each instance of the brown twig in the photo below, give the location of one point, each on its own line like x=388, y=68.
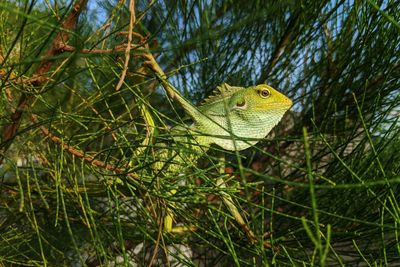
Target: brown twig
x=25, y=99
x=118, y=48
x=78, y=153
x=128, y=46
x=69, y=48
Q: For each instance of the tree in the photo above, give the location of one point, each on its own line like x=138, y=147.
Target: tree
x=83, y=117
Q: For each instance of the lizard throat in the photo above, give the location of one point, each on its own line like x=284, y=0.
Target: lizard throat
x=242, y=132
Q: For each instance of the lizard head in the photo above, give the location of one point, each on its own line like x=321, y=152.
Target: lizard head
x=241, y=116
x=261, y=98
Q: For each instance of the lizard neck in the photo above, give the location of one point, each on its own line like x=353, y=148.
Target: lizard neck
x=235, y=132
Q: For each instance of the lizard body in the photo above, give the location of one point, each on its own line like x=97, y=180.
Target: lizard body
x=232, y=113
x=233, y=118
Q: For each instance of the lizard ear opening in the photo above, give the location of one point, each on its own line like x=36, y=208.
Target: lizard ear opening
x=241, y=103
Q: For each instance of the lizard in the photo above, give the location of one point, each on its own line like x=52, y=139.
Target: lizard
x=231, y=114
x=233, y=118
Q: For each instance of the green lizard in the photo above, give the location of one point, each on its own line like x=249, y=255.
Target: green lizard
x=233, y=118
x=236, y=118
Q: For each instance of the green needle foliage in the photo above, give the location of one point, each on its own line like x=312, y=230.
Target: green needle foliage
x=78, y=182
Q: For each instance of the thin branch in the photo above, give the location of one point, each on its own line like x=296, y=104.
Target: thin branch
x=128, y=46
x=7, y=75
x=69, y=48
x=152, y=64
x=62, y=37
x=118, y=48
x=78, y=153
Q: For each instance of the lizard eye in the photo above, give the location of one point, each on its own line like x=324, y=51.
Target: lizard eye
x=241, y=103
x=264, y=93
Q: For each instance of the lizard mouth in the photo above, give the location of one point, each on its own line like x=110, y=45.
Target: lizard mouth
x=284, y=102
x=280, y=104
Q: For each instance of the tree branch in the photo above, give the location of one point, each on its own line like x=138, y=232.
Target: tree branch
x=128, y=46
x=25, y=99
x=78, y=153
